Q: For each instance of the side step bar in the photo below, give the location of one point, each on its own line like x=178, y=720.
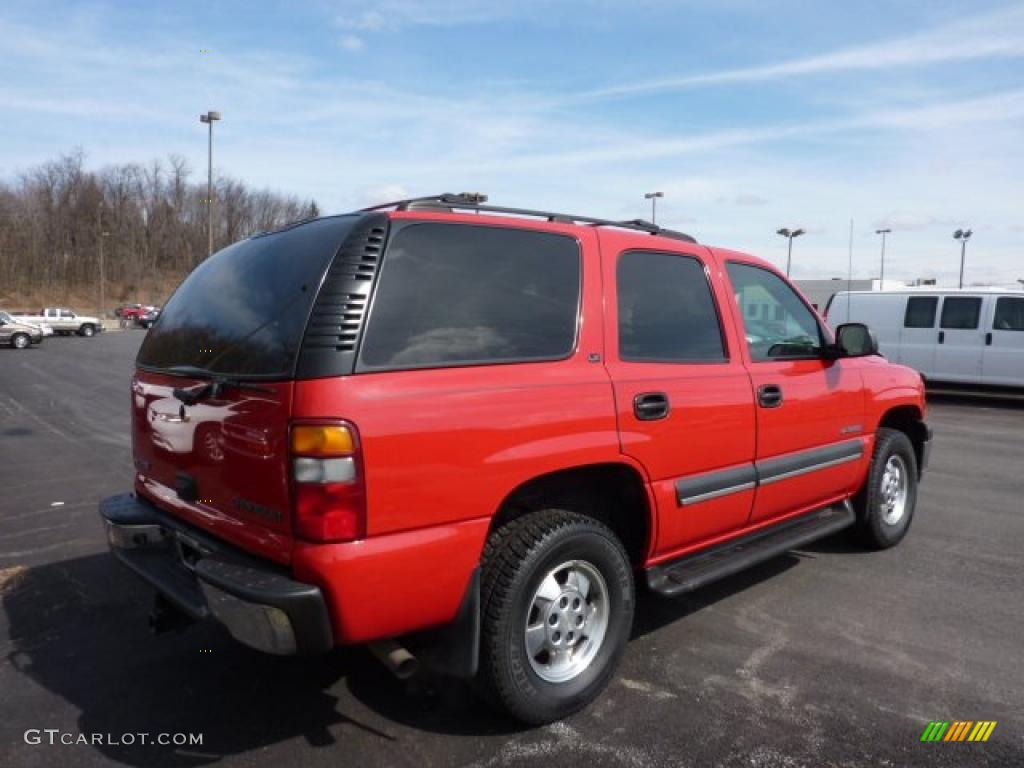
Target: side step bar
x=693, y=571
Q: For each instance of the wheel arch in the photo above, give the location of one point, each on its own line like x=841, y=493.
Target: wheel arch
x=910, y=420
x=615, y=493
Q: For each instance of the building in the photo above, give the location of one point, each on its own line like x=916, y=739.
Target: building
x=818, y=292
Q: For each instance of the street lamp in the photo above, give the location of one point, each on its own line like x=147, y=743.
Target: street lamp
x=789, y=234
x=881, y=275
x=963, y=235
x=209, y=118
x=100, y=235
x=653, y=197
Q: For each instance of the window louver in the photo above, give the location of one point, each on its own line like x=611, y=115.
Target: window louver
x=339, y=313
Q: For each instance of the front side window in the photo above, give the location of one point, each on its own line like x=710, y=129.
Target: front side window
x=459, y=294
x=666, y=310
x=961, y=312
x=921, y=312
x=779, y=325
x=1009, y=314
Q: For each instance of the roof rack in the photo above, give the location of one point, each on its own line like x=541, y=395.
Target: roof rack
x=475, y=201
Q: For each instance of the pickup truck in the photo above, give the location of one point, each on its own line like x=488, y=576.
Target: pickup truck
x=63, y=321
x=465, y=435
x=17, y=334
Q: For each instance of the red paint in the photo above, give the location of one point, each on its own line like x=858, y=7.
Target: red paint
x=441, y=449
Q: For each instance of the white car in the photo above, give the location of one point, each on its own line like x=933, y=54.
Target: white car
x=63, y=320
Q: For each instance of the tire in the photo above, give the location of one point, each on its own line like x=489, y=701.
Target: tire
x=892, y=479
x=87, y=330
x=20, y=341
x=554, y=548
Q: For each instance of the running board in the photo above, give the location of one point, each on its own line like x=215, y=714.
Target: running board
x=693, y=571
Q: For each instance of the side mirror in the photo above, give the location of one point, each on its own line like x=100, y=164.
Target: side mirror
x=856, y=340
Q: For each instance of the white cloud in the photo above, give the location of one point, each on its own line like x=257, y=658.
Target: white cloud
x=999, y=34
x=352, y=43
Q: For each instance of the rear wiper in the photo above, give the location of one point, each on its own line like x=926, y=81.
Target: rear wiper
x=213, y=388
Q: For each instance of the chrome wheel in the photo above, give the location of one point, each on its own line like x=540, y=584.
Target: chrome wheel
x=20, y=341
x=567, y=621
x=893, y=490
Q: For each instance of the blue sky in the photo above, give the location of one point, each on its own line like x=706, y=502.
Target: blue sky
x=748, y=115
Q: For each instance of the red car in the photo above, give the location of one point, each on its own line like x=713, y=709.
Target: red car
x=133, y=312
x=462, y=434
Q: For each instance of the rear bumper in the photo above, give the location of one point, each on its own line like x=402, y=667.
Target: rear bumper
x=259, y=603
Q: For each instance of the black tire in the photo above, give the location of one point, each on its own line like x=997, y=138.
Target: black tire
x=516, y=559
x=872, y=528
x=21, y=341
x=87, y=330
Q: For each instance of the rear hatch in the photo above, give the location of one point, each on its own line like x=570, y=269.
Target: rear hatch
x=212, y=392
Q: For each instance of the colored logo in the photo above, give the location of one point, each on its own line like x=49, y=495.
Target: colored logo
x=958, y=730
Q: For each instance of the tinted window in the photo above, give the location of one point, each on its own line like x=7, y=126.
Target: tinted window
x=666, y=311
x=456, y=294
x=243, y=311
x=778, y=323
x=960, y=312
x=1009, y=315
x=920, y=312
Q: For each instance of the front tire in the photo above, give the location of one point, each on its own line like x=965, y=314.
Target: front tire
x=557, y=611
x=20, y=341
x=87, y=330
x=885, y=505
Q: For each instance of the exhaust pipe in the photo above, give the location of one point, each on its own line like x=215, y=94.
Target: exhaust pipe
x=397, y=659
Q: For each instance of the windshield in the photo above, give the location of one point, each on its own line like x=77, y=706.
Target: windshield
x=243, y=311
x=6, y=318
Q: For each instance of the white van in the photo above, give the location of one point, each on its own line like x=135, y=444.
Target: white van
x=957, y=336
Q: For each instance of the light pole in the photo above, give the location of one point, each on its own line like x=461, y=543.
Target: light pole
x=881, y=276
x=209, y=118
x=789, y=234
x=963, y=235
x=653, y=197
x=100, y=235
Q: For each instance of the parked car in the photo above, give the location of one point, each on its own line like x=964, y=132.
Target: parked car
x=957, y=336
x=64, y=321
x=460, y=433
x=147, y=320
x=133, y=313
x=18, y=334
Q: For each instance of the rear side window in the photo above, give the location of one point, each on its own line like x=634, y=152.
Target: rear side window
x=921, y=312
x=1009, y=314
x=243, y=311
x=961, y=312
x=666, y=310
x=459, y=294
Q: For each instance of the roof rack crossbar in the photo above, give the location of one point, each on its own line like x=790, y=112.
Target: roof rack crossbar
x=476, y=201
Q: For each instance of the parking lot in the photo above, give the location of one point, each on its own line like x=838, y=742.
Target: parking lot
x=827, y=656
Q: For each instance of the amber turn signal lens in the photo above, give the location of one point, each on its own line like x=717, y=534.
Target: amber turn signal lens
x=322, y=440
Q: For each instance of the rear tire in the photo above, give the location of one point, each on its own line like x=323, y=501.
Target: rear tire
x=885, y=505
x=557, y=609
x=20, y=341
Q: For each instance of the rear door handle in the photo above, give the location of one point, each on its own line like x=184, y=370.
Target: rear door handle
x=651, y=406
x=769, y=395
x=942, y=337
x=988, y=339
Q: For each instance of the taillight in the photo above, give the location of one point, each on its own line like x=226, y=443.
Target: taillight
x=329, y=495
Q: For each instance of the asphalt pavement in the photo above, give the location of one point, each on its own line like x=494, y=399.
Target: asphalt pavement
x=830, y=656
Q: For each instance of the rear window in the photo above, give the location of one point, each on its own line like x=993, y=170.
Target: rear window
x=243, y=311
x=921, y=312
x=960, y=312
x=459, y=294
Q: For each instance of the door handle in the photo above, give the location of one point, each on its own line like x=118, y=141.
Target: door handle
x=988, y=339
x=769, y=395
x=942, y=337
x=651, y=406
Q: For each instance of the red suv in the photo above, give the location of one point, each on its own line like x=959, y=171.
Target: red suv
x=460, y=433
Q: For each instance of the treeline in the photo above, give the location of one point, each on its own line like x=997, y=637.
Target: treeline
x=152, y=218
